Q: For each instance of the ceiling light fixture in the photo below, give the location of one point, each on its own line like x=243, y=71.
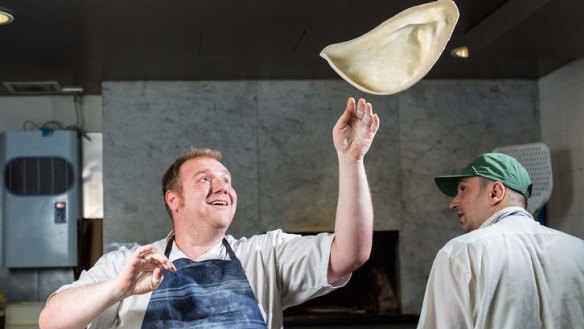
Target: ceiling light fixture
x=460, y=52
x=6, y=16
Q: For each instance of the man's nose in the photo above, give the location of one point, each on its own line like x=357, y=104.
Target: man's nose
x=220, y=186
x=453, y=203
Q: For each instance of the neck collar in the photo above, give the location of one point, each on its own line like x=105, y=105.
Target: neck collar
x=505, y=212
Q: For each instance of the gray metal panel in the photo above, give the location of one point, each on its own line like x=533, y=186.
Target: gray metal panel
x=32, y=237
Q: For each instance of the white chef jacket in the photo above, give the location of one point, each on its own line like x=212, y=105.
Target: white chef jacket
x=511, y=273
x=283, y=270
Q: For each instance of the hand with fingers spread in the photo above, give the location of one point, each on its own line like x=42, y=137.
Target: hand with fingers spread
x=354, y=131
x=143, y=271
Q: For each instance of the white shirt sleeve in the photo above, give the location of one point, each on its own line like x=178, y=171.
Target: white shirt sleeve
x=106, y=268
x=303, y=264
x=285, y=269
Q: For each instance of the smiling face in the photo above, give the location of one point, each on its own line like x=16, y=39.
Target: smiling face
x=205, y=199
x=471, y=203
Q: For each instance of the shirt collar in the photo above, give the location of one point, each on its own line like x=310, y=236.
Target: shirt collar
x=217, y=251
x=504, y=213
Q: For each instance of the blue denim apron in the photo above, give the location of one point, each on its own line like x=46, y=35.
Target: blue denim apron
x=212, y=293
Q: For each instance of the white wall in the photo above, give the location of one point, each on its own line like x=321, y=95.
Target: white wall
x=561, y=102
x=16, y=110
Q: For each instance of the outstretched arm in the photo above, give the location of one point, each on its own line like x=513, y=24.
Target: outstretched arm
x=77, y=307
x=352, y=135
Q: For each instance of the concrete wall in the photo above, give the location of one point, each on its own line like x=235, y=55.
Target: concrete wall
x=561, y=102
x=276, y=140
x=443, y=126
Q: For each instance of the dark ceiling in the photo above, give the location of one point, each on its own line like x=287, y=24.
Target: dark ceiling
x=84, y=42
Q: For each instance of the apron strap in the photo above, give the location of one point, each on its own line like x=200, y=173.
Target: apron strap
x=229, y=250
x=225, y=244
x=169, y=246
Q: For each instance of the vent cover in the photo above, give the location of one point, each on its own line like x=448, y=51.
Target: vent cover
x=38, y=176
x=33, y=88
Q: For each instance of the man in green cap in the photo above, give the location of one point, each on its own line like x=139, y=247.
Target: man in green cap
x=507, y=271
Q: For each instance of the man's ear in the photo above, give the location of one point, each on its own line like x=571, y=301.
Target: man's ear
x=497, y=193
x=172, y=199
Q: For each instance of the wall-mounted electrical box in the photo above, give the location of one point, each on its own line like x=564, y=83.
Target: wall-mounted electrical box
x=41, y=198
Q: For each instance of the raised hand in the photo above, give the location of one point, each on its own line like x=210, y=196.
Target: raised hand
x=354, y=131
x=143, y=271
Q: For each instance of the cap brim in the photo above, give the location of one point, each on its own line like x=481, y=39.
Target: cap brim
x=449, y=184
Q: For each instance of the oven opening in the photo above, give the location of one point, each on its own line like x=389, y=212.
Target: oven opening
x=372, y=292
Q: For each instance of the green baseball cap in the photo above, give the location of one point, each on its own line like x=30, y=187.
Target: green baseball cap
x=494, y=166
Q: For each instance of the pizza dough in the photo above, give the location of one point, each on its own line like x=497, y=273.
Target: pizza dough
x=399, y=52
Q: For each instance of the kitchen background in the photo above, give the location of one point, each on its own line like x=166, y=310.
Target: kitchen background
x=276, y=139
